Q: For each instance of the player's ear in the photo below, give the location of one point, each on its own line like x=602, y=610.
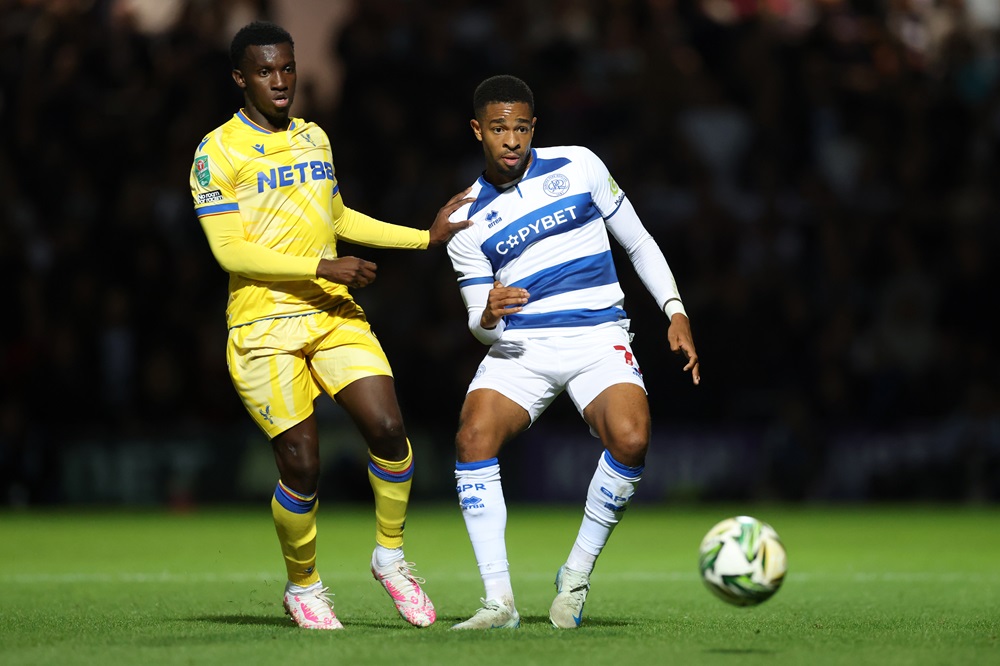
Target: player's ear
x=239, y=78
x=476, y=129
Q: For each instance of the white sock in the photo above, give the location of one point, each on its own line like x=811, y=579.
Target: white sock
x=480, y=496
x=298, y=589
x=386, y=556
x=610, y=492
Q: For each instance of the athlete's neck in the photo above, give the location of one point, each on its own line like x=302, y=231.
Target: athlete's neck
x=271, y=123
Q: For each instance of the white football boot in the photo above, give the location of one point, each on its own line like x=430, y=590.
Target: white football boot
x=495, y=614
x=572, y=587
x=311, y=607
x=404, y=588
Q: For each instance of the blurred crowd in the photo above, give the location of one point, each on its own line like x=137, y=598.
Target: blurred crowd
x=822, y=175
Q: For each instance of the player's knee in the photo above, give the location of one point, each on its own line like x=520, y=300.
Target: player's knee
x=386, y=434
x=391, y=429
x=298, y=463
x=628, y=445
x=471, y=444
x=464, y=443
x=301, y=474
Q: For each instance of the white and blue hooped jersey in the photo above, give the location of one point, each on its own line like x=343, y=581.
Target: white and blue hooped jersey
x=545, y=234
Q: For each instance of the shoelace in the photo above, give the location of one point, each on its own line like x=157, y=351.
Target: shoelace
x=490, y=605
x=319, y=601
x=582, y=587
x=406, y=569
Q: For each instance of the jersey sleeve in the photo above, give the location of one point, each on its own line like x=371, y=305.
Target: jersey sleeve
x=236, y=254
x=626, y=227
x=604, y=191
x=213, y=189
x=361, y=229
x=647, y=258
x=475, y=280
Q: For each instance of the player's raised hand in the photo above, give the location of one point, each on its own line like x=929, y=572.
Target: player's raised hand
x=349, y=271
x=682, y=342
x=442, y=230
x=502, y=301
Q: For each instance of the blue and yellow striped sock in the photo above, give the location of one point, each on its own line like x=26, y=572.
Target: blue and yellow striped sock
x=295, y=521
x=390, y=482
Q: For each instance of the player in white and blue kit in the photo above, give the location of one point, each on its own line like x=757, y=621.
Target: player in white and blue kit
x=537, y=277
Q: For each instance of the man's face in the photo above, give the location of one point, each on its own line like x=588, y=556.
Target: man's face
x=505, y=130
x=267, y=77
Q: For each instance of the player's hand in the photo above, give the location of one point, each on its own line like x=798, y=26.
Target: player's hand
x=502, y=301
x=442, y=230
x=682, y=342
x=349, y=271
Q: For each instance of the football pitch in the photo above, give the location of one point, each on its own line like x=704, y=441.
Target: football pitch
x=866, y=585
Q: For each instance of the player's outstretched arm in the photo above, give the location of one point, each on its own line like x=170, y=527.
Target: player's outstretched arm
x=442, y=229
x=682, y=342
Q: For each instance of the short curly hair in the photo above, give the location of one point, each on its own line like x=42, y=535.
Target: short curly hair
x=258, y=33
x=502, y=88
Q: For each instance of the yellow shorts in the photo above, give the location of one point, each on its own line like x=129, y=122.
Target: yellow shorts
x=279, y=366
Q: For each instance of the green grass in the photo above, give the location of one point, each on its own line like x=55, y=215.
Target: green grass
x=866, y=585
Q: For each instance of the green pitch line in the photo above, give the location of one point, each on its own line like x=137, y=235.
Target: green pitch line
x=866, y=585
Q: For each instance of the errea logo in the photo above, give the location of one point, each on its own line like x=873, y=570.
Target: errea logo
x=472, y=502
x=493, y=218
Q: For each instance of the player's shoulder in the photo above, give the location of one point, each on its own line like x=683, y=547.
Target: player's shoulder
x=571, y=160
x=572, y=153
x=302, y=126
x=217, y=139
x=466, y=210
x=469, y=237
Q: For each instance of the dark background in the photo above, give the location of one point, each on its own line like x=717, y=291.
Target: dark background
x=822, y=176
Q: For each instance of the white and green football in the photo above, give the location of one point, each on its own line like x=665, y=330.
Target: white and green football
x=742, y=561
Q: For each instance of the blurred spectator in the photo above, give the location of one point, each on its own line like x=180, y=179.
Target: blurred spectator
x=821, y=173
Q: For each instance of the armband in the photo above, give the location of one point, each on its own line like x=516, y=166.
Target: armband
x=673, y=306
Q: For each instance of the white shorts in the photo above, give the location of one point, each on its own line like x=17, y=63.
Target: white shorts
x=533, y=372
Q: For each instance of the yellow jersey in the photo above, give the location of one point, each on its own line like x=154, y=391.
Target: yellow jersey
x=271, y=208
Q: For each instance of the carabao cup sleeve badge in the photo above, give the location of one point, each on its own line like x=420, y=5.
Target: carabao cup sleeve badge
x=201, y=169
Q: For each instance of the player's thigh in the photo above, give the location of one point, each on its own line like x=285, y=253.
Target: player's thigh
x=608, y=389
x=619, y=415
x=597, y=360
x=488, y=420
x=526, y=373
x=270, y=373
x=371, y=403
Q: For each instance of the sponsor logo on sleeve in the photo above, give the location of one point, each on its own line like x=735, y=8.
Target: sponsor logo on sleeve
x=215, y=196
x=202, y=171
x=615, y=191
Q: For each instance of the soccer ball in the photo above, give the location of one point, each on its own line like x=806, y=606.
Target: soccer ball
x=742, y=561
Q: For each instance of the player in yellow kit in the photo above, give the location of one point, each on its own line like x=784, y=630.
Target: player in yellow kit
x=266, y=193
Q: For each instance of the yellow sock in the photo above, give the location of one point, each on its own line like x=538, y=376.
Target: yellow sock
x=391, y=484
x=295, y=521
